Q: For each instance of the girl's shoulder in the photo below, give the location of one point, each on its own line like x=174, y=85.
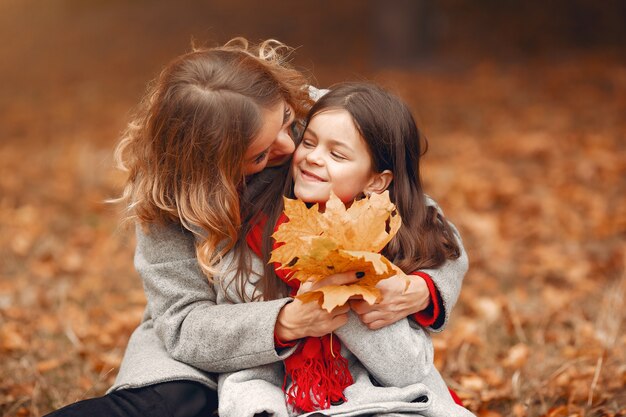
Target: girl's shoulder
x=430, y=202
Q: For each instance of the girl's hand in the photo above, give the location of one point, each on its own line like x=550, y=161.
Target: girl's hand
x=297, y=319
x=395, y=303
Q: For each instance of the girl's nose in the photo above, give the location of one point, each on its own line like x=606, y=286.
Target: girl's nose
x=315, y=157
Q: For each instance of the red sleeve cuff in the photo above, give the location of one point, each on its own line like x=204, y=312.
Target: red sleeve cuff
x=430, y=315
x=279, y=344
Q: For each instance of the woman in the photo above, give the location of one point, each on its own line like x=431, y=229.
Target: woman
x=213, y=119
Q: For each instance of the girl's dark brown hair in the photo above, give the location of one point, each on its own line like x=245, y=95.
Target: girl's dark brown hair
x=184, y=150
x=425, y=240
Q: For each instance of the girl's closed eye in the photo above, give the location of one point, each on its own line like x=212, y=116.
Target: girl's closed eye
x=307, y=143
x=338, y=156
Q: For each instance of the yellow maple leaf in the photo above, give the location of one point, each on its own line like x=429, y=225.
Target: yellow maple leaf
x=368, y=225
x=327, y=260
x=304, y=223
x=340, y=239
x=333, y=296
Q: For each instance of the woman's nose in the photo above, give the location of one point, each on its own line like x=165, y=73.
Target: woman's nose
x=283, y=145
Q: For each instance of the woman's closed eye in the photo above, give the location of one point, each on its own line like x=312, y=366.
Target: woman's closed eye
x=261, y=157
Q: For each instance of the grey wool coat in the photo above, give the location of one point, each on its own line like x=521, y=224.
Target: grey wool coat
x=392, y=368
x=186, y=335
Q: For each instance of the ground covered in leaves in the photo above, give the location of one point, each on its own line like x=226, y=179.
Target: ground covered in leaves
x=527, y=159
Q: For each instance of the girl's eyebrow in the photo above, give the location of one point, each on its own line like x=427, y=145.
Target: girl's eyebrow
x=335, y=142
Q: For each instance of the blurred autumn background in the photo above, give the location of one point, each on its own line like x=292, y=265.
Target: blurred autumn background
x=524, y=105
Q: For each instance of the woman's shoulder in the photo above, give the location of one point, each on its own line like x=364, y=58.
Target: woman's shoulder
x=163, y=242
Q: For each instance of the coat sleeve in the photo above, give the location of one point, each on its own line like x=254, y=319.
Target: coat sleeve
x=448, y=278
x=253, y=392
x=397, y=355
x=182, y=305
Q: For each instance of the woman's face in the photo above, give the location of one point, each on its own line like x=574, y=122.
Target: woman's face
x=332, y=156
x=273, y=145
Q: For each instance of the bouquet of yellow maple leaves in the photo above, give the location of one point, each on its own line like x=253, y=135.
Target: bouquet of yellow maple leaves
x=318, y=244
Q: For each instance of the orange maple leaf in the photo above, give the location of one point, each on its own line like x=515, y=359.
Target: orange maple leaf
x=340, y=239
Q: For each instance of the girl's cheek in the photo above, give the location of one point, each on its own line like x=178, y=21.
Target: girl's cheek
x=296, y=157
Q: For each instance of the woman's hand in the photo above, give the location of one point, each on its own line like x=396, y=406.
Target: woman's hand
x=297, y=319
x=395, y=303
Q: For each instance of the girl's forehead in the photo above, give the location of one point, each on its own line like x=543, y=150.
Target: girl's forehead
x=334, y=122
x=333, y=112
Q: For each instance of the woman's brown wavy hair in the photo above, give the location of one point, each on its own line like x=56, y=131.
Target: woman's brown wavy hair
x=184, y=150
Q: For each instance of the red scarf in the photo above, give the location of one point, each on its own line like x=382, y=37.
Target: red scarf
x=318, y=372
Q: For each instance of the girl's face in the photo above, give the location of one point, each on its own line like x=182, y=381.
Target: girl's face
x=332, y=156
x=273, y=144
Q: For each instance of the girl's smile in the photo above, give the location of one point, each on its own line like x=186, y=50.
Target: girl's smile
x=309, y=176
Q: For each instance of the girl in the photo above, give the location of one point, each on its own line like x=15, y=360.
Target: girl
x=359, y=139
x=209, y=124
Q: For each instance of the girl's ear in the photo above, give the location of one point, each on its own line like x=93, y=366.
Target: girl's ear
x=379, y=182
